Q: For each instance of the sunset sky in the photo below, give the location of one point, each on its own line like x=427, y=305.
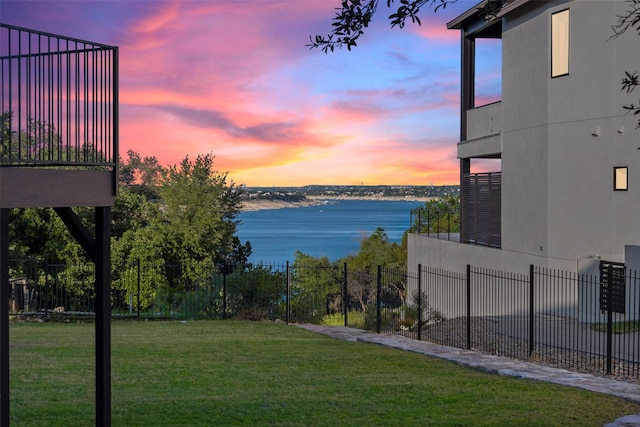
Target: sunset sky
x=235, y=79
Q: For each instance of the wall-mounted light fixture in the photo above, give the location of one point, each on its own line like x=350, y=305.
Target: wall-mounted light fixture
x=596, y=132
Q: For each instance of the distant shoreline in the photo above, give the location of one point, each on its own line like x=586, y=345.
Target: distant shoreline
x=266, y=204
x=375, y=198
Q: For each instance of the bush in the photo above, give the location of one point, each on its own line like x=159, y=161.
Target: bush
x=356, y=319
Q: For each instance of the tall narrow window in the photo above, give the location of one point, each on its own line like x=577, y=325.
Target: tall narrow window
x=620, y=178
x=560, y=43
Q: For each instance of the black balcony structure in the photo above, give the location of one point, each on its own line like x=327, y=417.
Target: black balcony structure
x=59, y=149
x=480, y=197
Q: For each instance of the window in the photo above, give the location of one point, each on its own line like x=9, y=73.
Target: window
x=620, y=178
x=560, y=43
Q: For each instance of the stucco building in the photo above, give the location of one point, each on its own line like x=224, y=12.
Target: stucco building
x=565, y=192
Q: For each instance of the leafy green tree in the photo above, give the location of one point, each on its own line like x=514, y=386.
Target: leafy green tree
x=39, y=233
x=131, y=211
x=439, y=215
x=6, y=134
x=200, y=214
x=136, y=249
x=140, y=174
x=181, y=217
x=41, y=143
x=182, y=235
x=375, y=250
x=256, y=293
x=316, y=289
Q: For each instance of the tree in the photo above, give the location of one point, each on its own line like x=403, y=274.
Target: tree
x=376, y=250
x=40, y=233
x=630, y=20
x=6, y=134
x=256, y=293
x=441, y=215
x=356, y=15
x=140, y=174
x=194, y=219
x=200, y=210
x=182, y=234
x=316, y=288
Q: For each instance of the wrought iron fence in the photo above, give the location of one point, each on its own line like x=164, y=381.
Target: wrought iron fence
x=548, y=316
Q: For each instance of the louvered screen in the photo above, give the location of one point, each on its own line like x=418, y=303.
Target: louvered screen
x=481, y=209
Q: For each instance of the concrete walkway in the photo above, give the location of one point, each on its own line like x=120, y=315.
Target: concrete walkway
x=496, y=365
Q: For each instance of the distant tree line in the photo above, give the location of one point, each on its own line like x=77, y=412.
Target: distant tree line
x=357, y=191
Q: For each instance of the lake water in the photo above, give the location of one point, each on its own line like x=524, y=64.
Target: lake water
x=333, y=230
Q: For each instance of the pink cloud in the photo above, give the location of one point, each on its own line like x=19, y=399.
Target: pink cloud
x=234, y=78
x=438, y=33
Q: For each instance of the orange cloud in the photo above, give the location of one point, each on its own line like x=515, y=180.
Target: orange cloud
x=235, y=79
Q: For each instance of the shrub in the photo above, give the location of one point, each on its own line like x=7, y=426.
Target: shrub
x=355, y=318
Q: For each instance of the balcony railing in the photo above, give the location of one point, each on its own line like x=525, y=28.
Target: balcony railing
x=484, y=121
x=58, y=101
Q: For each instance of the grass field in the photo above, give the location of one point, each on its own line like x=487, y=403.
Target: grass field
x=215, y=373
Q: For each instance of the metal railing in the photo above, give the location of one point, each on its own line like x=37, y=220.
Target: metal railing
x=548, y=316
x=438, y=223
x=58, y=100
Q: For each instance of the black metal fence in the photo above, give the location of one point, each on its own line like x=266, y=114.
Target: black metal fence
x=442, y=223
x=548, y=316
x=553, y=317
x=58, y=100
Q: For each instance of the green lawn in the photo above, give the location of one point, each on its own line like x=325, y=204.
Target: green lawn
x=214, y=373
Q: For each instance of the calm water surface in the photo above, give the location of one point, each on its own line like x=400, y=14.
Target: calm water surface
x=333, y=230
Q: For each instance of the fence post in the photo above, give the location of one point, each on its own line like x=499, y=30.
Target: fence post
x=5, y=294
x=288, y=314
x=609, y=317
x=531, y=310
x=419, y=302
x=379, y=300
x=138, y=262
x=468, y=306
x=224, y=294
x=345, y=296
x=47, y=285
